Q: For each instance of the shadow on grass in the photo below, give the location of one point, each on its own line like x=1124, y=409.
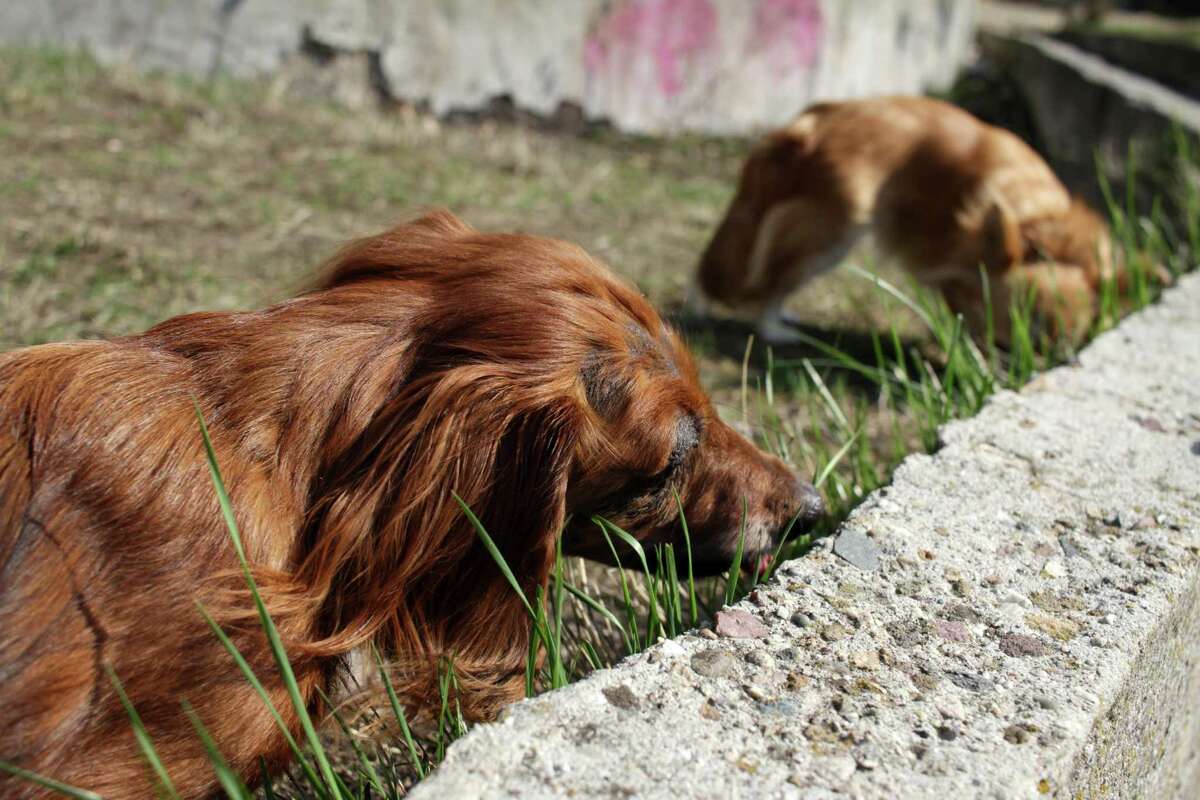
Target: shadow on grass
x=726, y=338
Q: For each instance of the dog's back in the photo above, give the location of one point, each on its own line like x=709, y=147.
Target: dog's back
x=934, y=183
x=98, y=441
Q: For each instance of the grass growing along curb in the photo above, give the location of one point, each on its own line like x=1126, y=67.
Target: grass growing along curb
x=953, y=381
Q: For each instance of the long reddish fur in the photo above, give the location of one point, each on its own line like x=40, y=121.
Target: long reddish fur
x=342, y=421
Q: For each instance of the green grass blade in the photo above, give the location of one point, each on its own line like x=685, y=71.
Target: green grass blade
x=490, y=545
x=630, y=612
x=735, y=569
x=410, y=743
x=830, y=465
x=783, y=542
x=251, y=678
x=229, y=780
x=165, y=787
x=590, y=655
x=558, y=672
x=880, y=283
x=602, y=610
x=268, y=786
x=48, y=783
x=653, y=622
x=834, y=409
x=671, y=591
x=628, y=539
x=276, y=643
x=365, y=767
x=687, y=542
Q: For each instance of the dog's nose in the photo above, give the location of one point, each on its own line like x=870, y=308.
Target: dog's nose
x=809, y=509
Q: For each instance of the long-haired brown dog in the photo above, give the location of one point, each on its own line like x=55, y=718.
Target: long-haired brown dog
x=941, y=191
x=513, y=370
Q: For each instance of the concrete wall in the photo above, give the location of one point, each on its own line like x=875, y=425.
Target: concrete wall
x=725, y=66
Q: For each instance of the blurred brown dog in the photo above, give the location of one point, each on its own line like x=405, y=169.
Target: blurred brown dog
x=941, y=191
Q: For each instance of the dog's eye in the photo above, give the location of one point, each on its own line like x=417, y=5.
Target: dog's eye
x=641, y=493
x=687, y=436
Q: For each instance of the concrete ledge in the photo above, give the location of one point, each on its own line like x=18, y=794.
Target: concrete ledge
x=1072, y=91
x=1167, y=61
x=1031, y=629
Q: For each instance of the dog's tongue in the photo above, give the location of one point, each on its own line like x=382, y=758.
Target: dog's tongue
x=762, y=564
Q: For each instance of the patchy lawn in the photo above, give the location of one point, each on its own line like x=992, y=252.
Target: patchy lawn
x=126, y=199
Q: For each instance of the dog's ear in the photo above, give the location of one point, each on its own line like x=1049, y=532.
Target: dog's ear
x=440, y=222
x=411, y=571
x=1001, y=239
x=780, y=148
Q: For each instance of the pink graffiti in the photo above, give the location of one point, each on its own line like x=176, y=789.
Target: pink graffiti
x=791, y=28
x=671, y=32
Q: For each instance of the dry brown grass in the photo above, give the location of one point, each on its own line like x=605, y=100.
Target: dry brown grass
x=125, y=199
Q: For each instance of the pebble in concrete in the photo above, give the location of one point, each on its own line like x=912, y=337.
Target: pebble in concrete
x=621, y=696
x=714, y=663
x=858, y=549
x=734, y=623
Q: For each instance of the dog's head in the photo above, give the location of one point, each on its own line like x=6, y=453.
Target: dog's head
x=1079, y=237
x=1071, y=260
x=652, y=445
x=530, y=382
x=751, y=247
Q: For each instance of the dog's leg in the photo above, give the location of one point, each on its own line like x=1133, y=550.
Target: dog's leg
x=775, y=326
x=789, y=317
x=696, y=303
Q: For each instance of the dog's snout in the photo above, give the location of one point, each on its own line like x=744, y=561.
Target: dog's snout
x=809, y=507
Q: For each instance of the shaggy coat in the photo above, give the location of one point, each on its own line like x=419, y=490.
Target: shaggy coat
x=943, y=193
x=512, y=370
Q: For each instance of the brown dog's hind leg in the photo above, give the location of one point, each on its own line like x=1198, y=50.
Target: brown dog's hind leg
x=1058, y=299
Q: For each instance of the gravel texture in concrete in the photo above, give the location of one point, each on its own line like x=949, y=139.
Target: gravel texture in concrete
x=1016, y=616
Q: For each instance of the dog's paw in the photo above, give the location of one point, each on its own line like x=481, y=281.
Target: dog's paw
x=696, y=305
x=791, y=318
x=777, y=331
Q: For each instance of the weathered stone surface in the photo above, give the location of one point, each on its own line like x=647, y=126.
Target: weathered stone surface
x=646, y=65
x=1110, y=708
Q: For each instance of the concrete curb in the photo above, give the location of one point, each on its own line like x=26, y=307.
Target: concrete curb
x=1031, y=629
